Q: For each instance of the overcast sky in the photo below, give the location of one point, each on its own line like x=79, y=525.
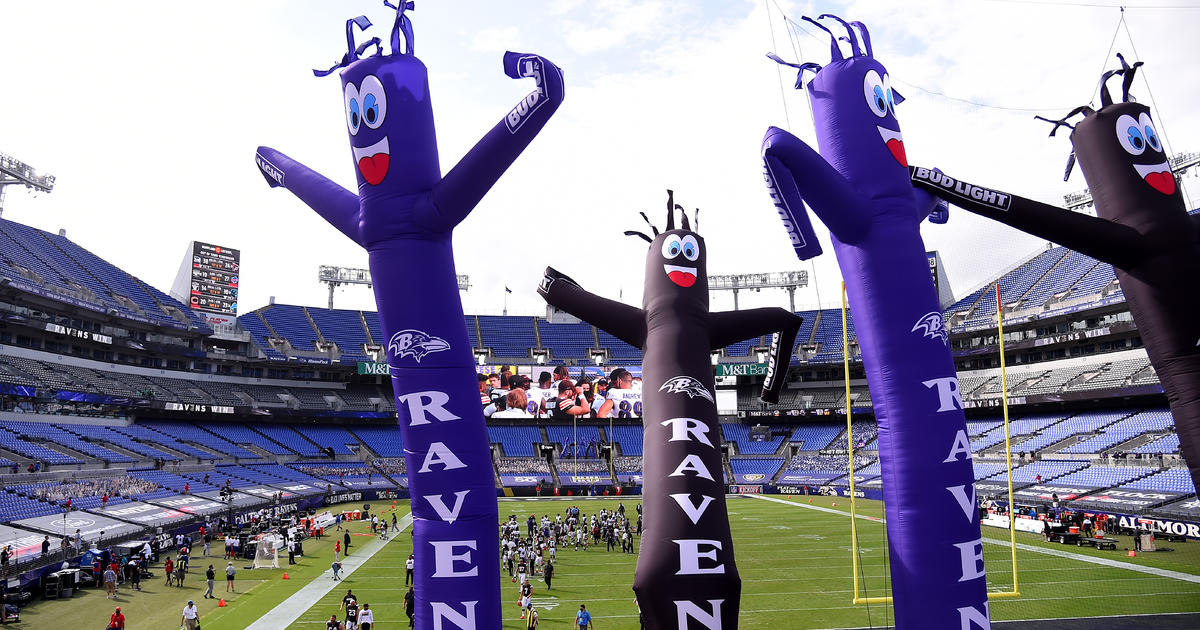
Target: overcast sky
x=149, y=113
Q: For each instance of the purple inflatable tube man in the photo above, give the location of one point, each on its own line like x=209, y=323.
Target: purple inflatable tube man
x=859, y=187
x=404, y=214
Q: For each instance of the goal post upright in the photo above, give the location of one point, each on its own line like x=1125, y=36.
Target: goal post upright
x=1012, y=514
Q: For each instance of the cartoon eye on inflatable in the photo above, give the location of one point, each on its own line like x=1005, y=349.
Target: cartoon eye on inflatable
x=374, y=101
x=353, y=109
x=1151, y=134
x=1131, y=136
x=672, y=247
x=876, y=94
x=691, y=249
x=891, y=98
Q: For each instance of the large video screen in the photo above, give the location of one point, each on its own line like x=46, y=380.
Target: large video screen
x=215, y=271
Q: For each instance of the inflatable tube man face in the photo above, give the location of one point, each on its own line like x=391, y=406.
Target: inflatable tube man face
x=855, y=106
x=389, y=117
x=676, y=272
x=1124, y=160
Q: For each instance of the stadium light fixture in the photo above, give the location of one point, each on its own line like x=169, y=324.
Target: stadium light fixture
x=790, y=280
x=14, y=172
x=337, y=276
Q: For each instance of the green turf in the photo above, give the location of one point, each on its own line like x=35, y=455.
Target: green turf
x=794, y=563
x=159, y=606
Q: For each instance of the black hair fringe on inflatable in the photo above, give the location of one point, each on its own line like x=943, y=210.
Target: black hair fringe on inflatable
x=1126, y=71
x=639, y=235
x=670, y=209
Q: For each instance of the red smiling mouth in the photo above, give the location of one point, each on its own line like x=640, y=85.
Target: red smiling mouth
x=1159, y=176
x=682, y=276
x=895, y=144
x=373, y=161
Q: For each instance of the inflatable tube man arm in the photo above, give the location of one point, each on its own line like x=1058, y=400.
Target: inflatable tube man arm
x=798, y=175
x=1101, y=239
x=462, y=188
x=335, y=204
x=729, y=327
x=622, y=321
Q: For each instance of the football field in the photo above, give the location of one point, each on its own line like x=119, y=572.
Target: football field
x=794, y=557
x=795, y=567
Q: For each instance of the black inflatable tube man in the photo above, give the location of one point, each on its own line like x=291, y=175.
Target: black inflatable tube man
x=1142, y=229
x=686, y=575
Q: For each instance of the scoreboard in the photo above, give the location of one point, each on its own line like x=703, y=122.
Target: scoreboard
x=214, y=278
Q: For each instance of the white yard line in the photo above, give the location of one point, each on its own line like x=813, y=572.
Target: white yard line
x=287, y=612
x=1116, y=564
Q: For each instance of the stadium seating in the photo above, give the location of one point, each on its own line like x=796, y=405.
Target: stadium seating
x=189, y=433
x=259, y=333
x=15, y=507
x=13, y=443
x=384, y=440
x=740, y=434
x=1060, y=279
x=1173, y=480
x=1047, y=469
x=983, y=470
x=619, y=352
x=1164, y=444
x=629, y=438
x=815, y=437
x=290, y=323
x=1103, y=476
x=242, y=434
x=507, y=337
x=563, y=435
x=1076, y=425
x=1013, y=286
x=765, y=466
x=1019, y=427
x=516, y=441
x=567, y=341
x=289, y=474
x=1125, y=430
x=142, y=433
x=57, y=435
x=345, y=328
x=69, y=269
x=1094, y=281
x=287, y=437
x=333, y=437
x=172, y=481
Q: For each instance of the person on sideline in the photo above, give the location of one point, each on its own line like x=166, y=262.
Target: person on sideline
x=583, y=619
x=117, y=621
x=209, y=576
x=191, y=617
x=366, y=618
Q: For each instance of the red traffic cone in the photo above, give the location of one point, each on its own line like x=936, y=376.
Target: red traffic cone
x=810, y=500
x=1132, y=553
x=285, y=575
x=222, y=604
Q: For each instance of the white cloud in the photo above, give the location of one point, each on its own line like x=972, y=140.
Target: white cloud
x=493, y=39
